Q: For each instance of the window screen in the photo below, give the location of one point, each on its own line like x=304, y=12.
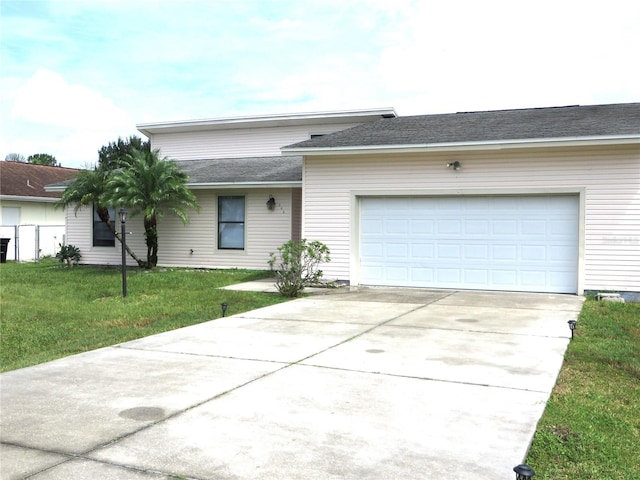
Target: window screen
x=231, y=223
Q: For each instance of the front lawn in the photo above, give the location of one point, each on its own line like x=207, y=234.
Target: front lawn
x=48, y=311
x=591, y=427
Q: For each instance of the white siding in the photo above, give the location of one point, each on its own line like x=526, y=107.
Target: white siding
x=36, y=213
x=266, y=230
x=236, y=143
x=608, y=179
x=80, y=234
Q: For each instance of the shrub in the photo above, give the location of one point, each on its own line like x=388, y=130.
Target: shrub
x=298, y=266
x=69, y=254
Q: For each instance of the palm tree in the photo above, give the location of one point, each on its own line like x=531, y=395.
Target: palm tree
x=88, y=188
x=150, y=186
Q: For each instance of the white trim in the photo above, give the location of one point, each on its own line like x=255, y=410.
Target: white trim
x=466, y=146
x=203, y=186
x=275, y=120
x=20, y=198
x=357, y=195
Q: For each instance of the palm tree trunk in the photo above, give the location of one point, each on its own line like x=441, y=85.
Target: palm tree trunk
x=103, y=213
x=151, y=237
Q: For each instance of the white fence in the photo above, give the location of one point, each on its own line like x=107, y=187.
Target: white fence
x=29, y=243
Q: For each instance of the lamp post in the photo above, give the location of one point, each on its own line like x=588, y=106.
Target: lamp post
x=224, y=308
x=572, y=326
x=123, y=221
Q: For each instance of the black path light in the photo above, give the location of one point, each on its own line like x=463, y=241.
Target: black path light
x=523, y=472
x=572, y=326
x=123, y=221
x=224, y=306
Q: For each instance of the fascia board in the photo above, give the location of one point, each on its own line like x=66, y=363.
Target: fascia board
x=467, y=146
x=264, y=121
x=24, y=198
x=228, y=185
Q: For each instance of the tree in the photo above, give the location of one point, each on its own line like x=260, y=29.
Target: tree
x=298, y=268
x=43, y=159
x=15, y=157
x=89, y=188
x=116, y=154
x=150, y=186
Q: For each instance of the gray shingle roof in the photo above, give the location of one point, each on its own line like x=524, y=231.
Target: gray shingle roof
x=526, y=124
x=243, y=170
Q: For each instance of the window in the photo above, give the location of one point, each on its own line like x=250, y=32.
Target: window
x=231, y=223
x=102, y=236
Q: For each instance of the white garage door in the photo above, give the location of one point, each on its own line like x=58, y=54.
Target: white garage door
x=517, y=243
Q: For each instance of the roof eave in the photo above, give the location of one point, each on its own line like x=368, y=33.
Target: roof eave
x=468, y=146
x=151, y=128
x=25, y=198
x=55, y=188
x=228, y=185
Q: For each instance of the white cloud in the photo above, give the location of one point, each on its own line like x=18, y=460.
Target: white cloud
x=69, y=121
x=49, y=99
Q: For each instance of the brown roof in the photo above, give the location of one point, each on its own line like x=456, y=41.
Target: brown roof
x=28, y=180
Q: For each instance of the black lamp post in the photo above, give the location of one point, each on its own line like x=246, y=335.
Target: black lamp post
x=572, y=326
x=224, y=308
x=523, y=472
x=123, y=221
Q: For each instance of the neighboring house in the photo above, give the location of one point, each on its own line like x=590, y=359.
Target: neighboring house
x=540, y=200
x=235, y=169
x=28, y=216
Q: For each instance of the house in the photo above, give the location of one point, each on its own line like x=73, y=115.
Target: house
x=540, y=200
x=536, y=200
x=28, y=217
x=249, y=194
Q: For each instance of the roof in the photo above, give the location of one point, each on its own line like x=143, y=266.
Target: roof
x=276, y=120
x=488, y=127
x=253, y=170
x=27, y=180
x=225, y=172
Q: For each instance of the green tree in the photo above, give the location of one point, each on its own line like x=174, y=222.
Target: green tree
x=151, y=186
x=43, y=159
x=116, y=154
x=89, y=188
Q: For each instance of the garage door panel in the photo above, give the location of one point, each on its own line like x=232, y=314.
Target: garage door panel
x=397, y=250
x=421, y=252
x=499, y=242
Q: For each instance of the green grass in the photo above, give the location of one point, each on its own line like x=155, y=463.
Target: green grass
x=591, y=427
x=48, y=311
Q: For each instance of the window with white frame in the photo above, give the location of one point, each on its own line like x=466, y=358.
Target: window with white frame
x=231, y=217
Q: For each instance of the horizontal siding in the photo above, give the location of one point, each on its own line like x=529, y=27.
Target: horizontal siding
x=36, y=213
x=265, y=231
x=610, y=177
x=80, y=234
x=236, y=143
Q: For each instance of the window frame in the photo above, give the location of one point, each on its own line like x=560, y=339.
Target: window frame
x=221, y=223
x=103, y=242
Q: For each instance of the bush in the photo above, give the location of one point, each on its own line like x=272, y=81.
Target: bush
x=298, y=266
x=69, y=254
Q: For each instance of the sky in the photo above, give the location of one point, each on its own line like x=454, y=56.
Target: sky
x=77, y=74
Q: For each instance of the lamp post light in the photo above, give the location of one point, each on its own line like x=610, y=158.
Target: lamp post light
x=224, y=308
x=123, y=221
x=523, y=472
x=572, y=326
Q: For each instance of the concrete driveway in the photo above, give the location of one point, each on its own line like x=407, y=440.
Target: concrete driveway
x=368, y=384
